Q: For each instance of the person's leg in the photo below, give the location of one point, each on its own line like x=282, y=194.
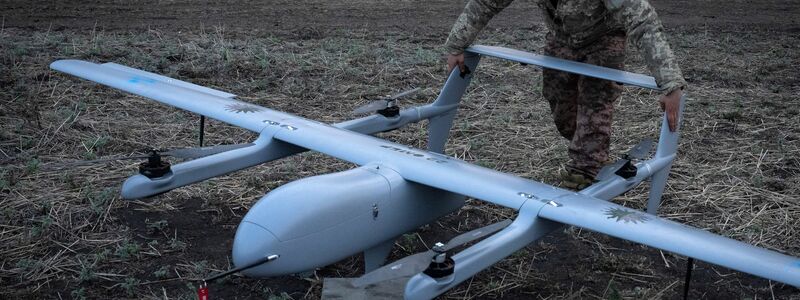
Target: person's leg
x=589, y=148
x=561, y=90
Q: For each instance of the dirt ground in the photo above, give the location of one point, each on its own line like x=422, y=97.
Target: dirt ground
x=65, y=233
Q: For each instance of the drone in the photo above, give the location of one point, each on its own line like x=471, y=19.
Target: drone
x=319, y=220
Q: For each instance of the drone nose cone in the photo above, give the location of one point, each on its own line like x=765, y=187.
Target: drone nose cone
x=253, y=242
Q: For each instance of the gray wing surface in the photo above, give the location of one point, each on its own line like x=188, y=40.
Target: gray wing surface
x=567, y=66
x=618, y=221
x=202, y=100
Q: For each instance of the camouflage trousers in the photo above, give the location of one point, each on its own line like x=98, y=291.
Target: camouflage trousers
x=582, y=107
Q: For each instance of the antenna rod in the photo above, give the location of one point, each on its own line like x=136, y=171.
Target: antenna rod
x=259, y=262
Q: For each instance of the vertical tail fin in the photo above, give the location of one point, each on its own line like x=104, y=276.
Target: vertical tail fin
x=667, y=146
x=453, y=90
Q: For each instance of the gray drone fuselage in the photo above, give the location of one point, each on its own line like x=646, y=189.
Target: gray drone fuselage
x=319, y=220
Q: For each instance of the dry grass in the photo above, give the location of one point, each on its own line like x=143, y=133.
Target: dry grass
x=67, y=233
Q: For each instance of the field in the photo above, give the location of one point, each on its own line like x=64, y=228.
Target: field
x=66, y=234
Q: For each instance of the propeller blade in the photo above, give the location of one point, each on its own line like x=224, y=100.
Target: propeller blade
x=185, y=153
x=413, y=264
x=403, y=94
x=611, y=169
x=641, y=150
x=191, y=153
x=382, y=103
x=371, y=107
x=99, y=160
x=404, y=267
x=476, y=234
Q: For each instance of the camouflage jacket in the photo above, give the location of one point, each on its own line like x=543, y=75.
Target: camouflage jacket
x=580, y=22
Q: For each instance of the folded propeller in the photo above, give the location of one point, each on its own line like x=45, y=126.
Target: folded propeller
x=382, y=104
x=156, y=154
x=416, y=263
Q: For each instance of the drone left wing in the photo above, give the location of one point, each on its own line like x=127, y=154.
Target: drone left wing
x=202, y=100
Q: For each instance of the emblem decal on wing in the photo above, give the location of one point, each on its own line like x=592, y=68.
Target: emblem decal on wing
x=628, y=216
x=242, y=108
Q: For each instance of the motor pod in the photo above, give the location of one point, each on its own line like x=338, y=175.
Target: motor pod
x=317, y=221
x=154, y=167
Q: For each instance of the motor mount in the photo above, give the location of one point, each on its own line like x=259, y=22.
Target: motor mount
x=154, y=167
x=627, y=171
x=389, y=112
x=442, y=265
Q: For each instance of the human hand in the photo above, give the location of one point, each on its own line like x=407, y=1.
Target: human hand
x=671, y=104
x=454, y=60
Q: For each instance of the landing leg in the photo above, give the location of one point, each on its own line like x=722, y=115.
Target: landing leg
x=202, y=129
x=688, y=279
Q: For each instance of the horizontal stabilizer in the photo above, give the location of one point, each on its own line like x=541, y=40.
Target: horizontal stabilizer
x=567, y=66
x=618, y=221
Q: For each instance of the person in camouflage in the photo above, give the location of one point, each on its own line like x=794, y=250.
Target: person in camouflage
x=594, y=32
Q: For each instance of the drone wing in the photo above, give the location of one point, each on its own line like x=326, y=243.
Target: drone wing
x=619, y=76
x=202, y=100
x=460, y=177
x=618, y=221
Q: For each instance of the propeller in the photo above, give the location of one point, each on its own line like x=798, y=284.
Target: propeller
x=182, y=153
x=416, y=263
x=381, y=104
x=640, y=151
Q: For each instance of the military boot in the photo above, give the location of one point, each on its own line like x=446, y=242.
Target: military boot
x=575, y=179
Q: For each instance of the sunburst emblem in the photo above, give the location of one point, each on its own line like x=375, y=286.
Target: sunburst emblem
x=242, y=108
x=628, y=216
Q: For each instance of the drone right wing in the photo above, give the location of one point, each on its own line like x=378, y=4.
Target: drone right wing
x=618, y=221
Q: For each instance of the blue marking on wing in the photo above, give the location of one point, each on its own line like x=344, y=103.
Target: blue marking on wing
x=141, y=79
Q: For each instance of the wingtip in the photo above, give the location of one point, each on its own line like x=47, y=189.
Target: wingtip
x=54, y=65
x=63, y=63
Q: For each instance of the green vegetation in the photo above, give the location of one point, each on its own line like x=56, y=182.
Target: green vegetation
x=129, y=286
x=156, y=226
x=128, y=249
x=162, y=272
